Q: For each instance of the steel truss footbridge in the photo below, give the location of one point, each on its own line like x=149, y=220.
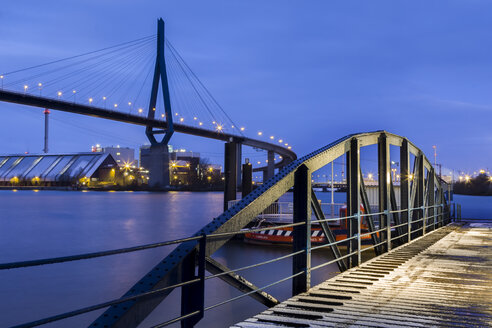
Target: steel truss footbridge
x=422, y=208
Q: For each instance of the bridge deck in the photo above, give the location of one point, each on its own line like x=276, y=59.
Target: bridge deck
x=442, y=279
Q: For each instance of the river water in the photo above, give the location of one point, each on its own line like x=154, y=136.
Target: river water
x=44, y=224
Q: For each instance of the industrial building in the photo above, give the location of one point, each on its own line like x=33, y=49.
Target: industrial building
x=124, y=156
x=79, y=169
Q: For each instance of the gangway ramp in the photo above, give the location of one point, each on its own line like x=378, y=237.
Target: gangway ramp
x=443, y=279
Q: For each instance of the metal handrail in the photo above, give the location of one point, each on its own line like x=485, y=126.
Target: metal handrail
x=23, y=264
x=254, y=265
x=252, y=291
x=86, y=256
x=87, y=309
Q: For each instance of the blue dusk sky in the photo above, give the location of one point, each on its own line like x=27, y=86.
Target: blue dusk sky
x=308, y=72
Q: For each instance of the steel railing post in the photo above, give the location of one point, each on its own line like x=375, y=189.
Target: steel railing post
x=409, y=225
x=359, y=243
x=388, y=230
x=193, y=295
x=353, y=201
x=301, y=235
x=384, y=176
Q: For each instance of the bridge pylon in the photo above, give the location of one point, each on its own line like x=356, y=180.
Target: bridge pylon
x=157, y=158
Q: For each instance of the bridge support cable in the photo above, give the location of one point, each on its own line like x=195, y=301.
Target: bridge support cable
x=330, y=237
x=301, y=235
x=384, y=176
x=240, y=283
x=369, y=217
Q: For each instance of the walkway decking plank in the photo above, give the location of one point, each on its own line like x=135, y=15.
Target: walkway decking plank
x=443, y=279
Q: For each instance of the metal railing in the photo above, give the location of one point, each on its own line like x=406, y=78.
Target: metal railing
x=284, y=209
x=415, y=228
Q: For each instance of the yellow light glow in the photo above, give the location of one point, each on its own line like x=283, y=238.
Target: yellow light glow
x=90, y=100
x=213, y=122
x=176, y=114
x=115, y=105
x=289, y=147
x=129, y=103
x=259, y=162
x=1, y=76
x=219, y=128
x=40, y=84
x=73, y=91
x=104, y=98
x=467, y=178
x=140, y=110
x=280, y=141
x=482, y=171
x=286, y=144
x=242, y=129
x=410, y=177
x=153, y=109
x=260, y=133
x=59, y=93
x=195, y=118
x=162, y=115
x=200, y=123
x=272, y=137
x=181, y=119
x=25, y=87
x=210, y=169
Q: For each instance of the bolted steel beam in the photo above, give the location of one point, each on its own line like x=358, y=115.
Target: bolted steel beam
x=353, y=200
x=384, y=176
x=301, y=235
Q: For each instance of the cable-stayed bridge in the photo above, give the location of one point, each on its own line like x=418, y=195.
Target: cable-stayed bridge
x=144, y=82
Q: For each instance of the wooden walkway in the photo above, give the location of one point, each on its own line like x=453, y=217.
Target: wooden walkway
x=443, y=279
